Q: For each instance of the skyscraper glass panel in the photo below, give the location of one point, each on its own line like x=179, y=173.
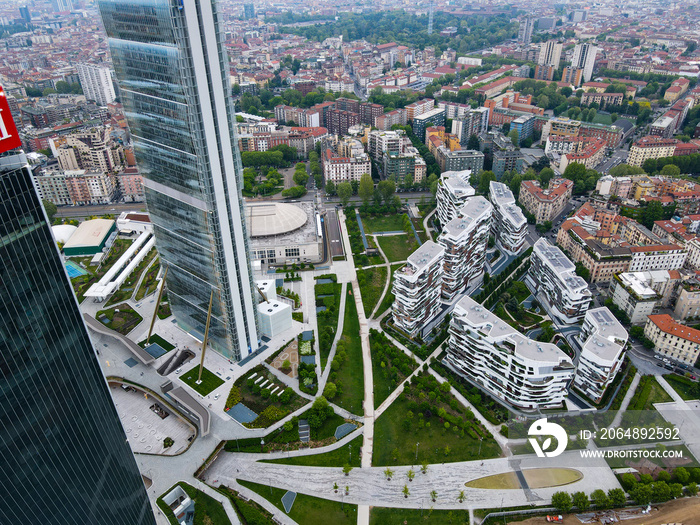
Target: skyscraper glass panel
x=64, y=458
x=173, y=76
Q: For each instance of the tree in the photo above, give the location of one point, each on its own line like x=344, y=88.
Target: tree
x=344, y=191
x=424, y=465
x=433, y=495
x=562, y=501
x=546, y=174
x=485, y=178
x=330, y=188
x=600, y=499
x=300, y=178
x=406, y=492
x=347, y=469
x=654, y=211
x=473, y=142
x=330, y=390
x=582, y=271
x=387, y=189
x=580, y=501
x=366, y=189
x=641, y=494
x=410, y=474
x=461, y=497
x=671, y=170
x=50, y=208
x=514, y=136
x=692, y=489
x=682, y=475
x=388, y=473
x=617, y=497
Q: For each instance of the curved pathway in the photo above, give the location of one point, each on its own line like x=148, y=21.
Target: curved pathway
x=142, y=277
x=425, y=223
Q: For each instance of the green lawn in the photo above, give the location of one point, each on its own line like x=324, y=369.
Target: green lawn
x=335, y=458
x=390, y=366
x=389, y=297
x=210, y=381
x=684, y=386
x=398, y=247
x=396, y=433
x=206, y=509
x=648, y=392
x=382, y=223
x=307, y=509
x=122, y=321
x=391, y=516
x=371, y=286
x=602, y=119
x=155, y=338
x=350, y=377
x=249, y=511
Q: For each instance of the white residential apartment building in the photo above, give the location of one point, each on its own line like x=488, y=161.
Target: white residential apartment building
x=552, y=279
x=522, y=373
x=657, y=257
x=453, y=191
x=416, y=289
x=381, y=142
x=76, y=187
x=509, y=224
x=465, y=239
x=96, y=82
x=345, y=169
x=603, y=341
x=632, y=294
x=584, y=58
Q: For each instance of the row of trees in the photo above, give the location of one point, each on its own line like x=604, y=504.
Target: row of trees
x=686, y=164
x=564, y=502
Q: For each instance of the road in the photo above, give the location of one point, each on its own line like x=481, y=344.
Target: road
x=87, y=211
x=618, y=157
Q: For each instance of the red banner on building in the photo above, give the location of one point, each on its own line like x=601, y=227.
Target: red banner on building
x=9, y=138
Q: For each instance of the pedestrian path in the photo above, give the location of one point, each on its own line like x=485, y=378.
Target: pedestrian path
x=304, y=431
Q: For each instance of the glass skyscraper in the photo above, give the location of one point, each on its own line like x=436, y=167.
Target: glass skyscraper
x=172, y=71
x=64, y=458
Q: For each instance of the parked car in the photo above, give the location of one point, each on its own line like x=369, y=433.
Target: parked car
x=657, y=356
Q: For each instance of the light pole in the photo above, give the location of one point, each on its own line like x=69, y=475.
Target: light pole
x=350, y=452
x=480, y=441
x=262, y=445
x=417, y=451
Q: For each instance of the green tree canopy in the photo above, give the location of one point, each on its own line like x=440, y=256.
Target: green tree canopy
x=344, y=190
x=366, y=188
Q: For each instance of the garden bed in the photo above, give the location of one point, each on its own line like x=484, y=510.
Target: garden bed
x=123, y=321
x=328, y=318
x=390, y=366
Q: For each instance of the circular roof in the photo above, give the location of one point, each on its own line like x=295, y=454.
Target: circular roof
x=63, y=232
x=269, y=219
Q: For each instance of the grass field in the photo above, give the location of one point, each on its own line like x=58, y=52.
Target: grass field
x=328, y=318
x=683, y=386
x=307, y=509
x=391, y=516
x=155, y=338
x=602, y=119
x=382, y=223
x=398, y=247
x=350, y=376
x=206, y=509
x=210, y=381
x=149, y=283
x=249, y=511
x=389, y=297
x=648, y=392
x=82, y=283
x=396, y=433
x=371, y=283
x=335, y=458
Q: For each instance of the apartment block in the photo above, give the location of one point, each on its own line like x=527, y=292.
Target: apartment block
x=465, y=239
x=657, y=257
x=96, y=82
x=452, y=193
x=489, y=353
x=650, y=147
x=419, y=107
x=434, y=117
x=416, y=289
x=603, y=341
x=76, y=187
x=672, y=339
x=344, y=169
x=552, y=278
x=545, y=204
x=459, y=160
x=509, y=225
x=688, y=301
x=130, y=185
x=90, y=149
x=387, y=120
x=339, y=121
x=631, y=293
x=602, y=99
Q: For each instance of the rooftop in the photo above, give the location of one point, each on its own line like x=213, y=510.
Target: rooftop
x=423, y=257
x=607, y=325
x=90, y=233
x=666, y=324
x=290, y=227
x=637, y=284
x=474, y=210
x=498, y=330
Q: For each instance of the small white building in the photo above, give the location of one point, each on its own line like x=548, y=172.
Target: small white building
x=631, y=293
x=275, y=318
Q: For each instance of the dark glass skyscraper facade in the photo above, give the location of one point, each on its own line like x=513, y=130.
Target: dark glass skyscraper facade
x=64, y=458
x=173, y=76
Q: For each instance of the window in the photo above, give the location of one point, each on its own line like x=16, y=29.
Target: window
x=291, y=252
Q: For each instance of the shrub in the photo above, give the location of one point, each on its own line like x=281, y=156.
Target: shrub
x=234, y=397
x=168, y=442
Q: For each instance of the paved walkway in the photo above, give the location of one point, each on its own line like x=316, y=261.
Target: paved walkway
x=425, y=223
x=369, y=487
x=626, y=401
